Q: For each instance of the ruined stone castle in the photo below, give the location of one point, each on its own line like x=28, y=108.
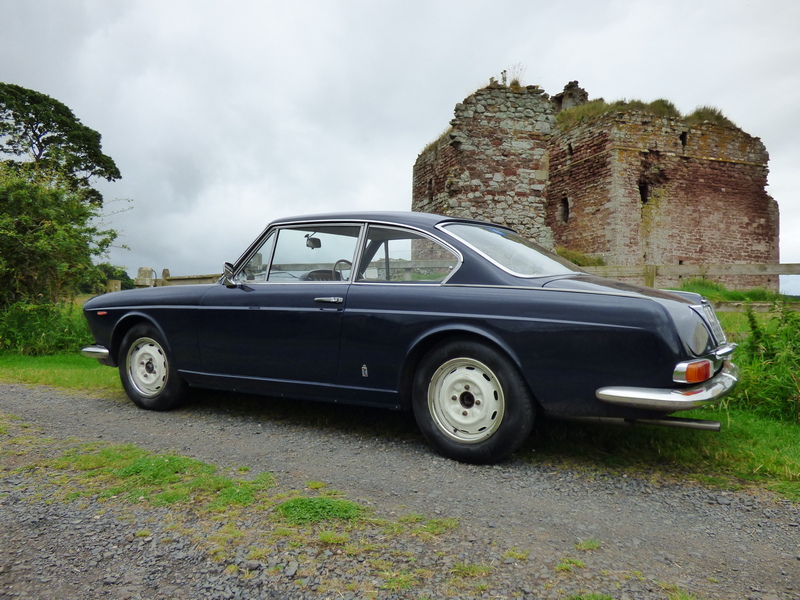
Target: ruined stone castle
x=627, y=186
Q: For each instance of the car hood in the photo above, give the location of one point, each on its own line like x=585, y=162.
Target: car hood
x=592, y=283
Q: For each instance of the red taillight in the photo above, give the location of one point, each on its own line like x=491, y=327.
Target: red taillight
x=693, y=371
x=101, y=313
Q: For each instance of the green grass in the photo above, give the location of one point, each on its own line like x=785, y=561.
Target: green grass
x=717, y=292
x=302, y=511
x=71, y=371
x=136, y=475
x=750, y=450
x=660, y=108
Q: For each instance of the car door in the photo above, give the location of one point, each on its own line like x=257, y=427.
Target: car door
x=397, y=296
x=282, y=320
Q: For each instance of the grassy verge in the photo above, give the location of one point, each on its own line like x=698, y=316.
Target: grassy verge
x=751, y=450
x=70, y=371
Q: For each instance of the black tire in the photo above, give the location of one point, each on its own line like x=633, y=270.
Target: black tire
x=471, y=402
x=147, y=371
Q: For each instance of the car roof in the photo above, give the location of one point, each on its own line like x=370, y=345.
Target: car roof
x=414, y=219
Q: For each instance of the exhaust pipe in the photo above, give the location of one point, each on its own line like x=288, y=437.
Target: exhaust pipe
x=683, y=423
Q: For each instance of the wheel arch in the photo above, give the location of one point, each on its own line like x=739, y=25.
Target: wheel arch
x=425, y=342
x=128, y=322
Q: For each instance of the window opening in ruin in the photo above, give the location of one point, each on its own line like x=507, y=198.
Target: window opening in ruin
x=684, y=138
x=570, y=150
x=644, y=191
x=430, y=189
x=563, y=210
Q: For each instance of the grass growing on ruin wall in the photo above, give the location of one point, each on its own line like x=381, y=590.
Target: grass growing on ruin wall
x=596, y=109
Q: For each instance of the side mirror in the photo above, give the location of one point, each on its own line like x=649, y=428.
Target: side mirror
x=227, y=275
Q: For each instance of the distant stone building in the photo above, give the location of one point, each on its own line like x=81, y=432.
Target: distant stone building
x=630, y=187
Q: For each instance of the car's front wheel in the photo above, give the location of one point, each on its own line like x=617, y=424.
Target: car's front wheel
x=471, y=402
x=147, y=372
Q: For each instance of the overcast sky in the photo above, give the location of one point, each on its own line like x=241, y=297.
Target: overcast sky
x=223, y=115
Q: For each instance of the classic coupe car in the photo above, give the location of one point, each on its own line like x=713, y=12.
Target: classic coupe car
x=469, y=325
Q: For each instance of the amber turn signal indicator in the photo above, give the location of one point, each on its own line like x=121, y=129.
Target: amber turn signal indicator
x=698, y=371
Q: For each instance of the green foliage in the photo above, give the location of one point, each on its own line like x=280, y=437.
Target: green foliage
x=301, y=511
x=709, y=113
x=47, y=242
x=717, y=292
x=659, y=108
x=103, y=272
x=47, y=141
x=579, y=258
x=41, y=329
x=769, y=361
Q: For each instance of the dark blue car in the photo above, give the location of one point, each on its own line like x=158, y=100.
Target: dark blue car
x=467, y=324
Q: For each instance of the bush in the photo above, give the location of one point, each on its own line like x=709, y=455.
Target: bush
x=770, y=365
x=41, y=329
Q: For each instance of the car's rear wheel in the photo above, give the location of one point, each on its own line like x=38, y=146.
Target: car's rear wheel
x=471, y=402
x=147, y=371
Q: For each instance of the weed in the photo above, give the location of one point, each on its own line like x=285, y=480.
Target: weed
x=567, y=565
x=517, y=554
x=590, y=544
x=769, y=361
x=301, y=511
x=333, y=538
x=397, y=581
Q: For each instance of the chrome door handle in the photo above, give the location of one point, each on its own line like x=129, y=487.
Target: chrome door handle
x=330, y=300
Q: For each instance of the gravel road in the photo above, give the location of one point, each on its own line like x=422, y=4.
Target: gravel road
x=521, y=521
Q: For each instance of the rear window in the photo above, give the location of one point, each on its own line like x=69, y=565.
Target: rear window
x=509, y=250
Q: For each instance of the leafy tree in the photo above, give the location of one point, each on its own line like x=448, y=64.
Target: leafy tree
x=47, y=142
x=106, y=271
x=47, y=241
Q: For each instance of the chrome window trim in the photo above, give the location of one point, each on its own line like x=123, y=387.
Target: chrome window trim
x=364, y=225
x=443, y=228
x=458, y=256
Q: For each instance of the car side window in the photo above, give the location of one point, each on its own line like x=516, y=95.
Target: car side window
x=308, y=253
x=398, y=255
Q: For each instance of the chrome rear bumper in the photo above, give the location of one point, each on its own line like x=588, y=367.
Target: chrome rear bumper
x=98, y=352
x=669, y=399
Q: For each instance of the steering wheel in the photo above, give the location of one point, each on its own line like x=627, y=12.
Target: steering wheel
x=339, y=275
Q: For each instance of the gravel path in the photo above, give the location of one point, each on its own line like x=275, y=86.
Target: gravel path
x=521, y=520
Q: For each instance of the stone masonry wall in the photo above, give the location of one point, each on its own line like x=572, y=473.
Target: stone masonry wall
x=631, y=187
x=493, y=163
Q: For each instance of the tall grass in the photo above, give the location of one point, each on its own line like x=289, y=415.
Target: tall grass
x=769, y=360
x=42, y=329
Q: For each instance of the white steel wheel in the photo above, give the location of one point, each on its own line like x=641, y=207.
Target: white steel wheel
x=147, y=366
x=471, y=402
x=466, y=400
x=147, y=370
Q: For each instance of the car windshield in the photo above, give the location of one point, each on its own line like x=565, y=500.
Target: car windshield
x=510, y=251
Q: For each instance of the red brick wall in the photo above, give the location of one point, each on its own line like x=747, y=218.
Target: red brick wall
x=630, y=187
x=646, y=190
